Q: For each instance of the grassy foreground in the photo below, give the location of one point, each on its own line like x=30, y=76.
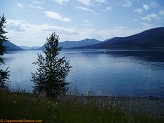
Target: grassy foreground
x=74, y=109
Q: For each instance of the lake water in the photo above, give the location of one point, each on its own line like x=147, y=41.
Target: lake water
x=129, y=73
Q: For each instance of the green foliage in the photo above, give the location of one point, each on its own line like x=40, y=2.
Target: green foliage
x=50, y=76
x=4, y=74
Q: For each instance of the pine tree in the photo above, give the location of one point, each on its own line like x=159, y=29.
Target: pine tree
x=4, y=74
x=51, y=73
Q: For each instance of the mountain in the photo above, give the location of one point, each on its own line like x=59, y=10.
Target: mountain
x=85, y=42
x=149, y=39
x=73, y=44
x=29, y=48
x=11, y=47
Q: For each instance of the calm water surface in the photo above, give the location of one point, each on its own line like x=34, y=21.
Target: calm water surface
x=130, y=73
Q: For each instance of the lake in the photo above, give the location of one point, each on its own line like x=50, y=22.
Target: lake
x=105, y=72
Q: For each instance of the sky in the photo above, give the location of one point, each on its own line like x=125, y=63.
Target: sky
x=30, y=22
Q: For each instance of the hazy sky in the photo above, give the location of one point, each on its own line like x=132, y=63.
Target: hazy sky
x=30, y=22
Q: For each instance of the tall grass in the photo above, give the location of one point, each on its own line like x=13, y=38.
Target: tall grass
x=73, y=109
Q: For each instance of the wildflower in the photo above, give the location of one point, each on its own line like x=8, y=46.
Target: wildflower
x=14, y=102
x=55, y=105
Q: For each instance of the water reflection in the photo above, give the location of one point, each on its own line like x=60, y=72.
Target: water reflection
x=131, y=73
x=151, y=57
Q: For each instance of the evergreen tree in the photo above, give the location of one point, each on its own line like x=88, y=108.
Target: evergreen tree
x=4, y=74
x=51, y=73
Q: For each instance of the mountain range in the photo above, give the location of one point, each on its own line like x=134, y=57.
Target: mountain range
x=10, y=46
x=75, y=44
x=30, y=48
x=149, y=39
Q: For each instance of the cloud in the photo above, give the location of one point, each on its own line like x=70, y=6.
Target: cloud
x=86, y=9
x=161, y=12
x=127, y=3
x=92, y=2
x=114, y=32
x=86, y=2
x=102, y=34
x=100, y=1
x=36, y=4
x=56, y=16
x=34, y=34
x=154, y=4
x=24, y=26
x=146, y=7
x=19, y=5
x=108, y=8
x=150, y=17
x=147, y=25
x=138, y=10
x=36, y=7
x=22, y=33
x=87, y=21
x=62, y=2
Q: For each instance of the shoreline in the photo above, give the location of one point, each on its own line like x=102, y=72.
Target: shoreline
x=153, y=106
x=80, y=106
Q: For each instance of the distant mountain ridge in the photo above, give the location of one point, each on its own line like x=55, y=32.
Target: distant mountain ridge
x=11, y=47
x=85, y=42
x=29, y=48
x=74, y=44
x=149, y=39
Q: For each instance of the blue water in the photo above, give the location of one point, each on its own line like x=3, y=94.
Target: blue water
x=105, y=72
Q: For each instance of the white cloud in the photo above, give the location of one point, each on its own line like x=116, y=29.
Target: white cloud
x=62, y=2
x=36, y=2
x=86, y=9
x=92, y=2
x=161, y=12
x=100, y=1
x=154, y=4
x=151, y=17
x=87, y=21
x=86, y=2
x=147, y=25
x=136, y=19
x=138, y=10
x=56, y=16
x=21, y=32
x=35, y=6
x=19, y=5
x=102, y=34
x=24, y=26
x=115, y=32
x=146, y=7
x=127, y=3
x=108, y=8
